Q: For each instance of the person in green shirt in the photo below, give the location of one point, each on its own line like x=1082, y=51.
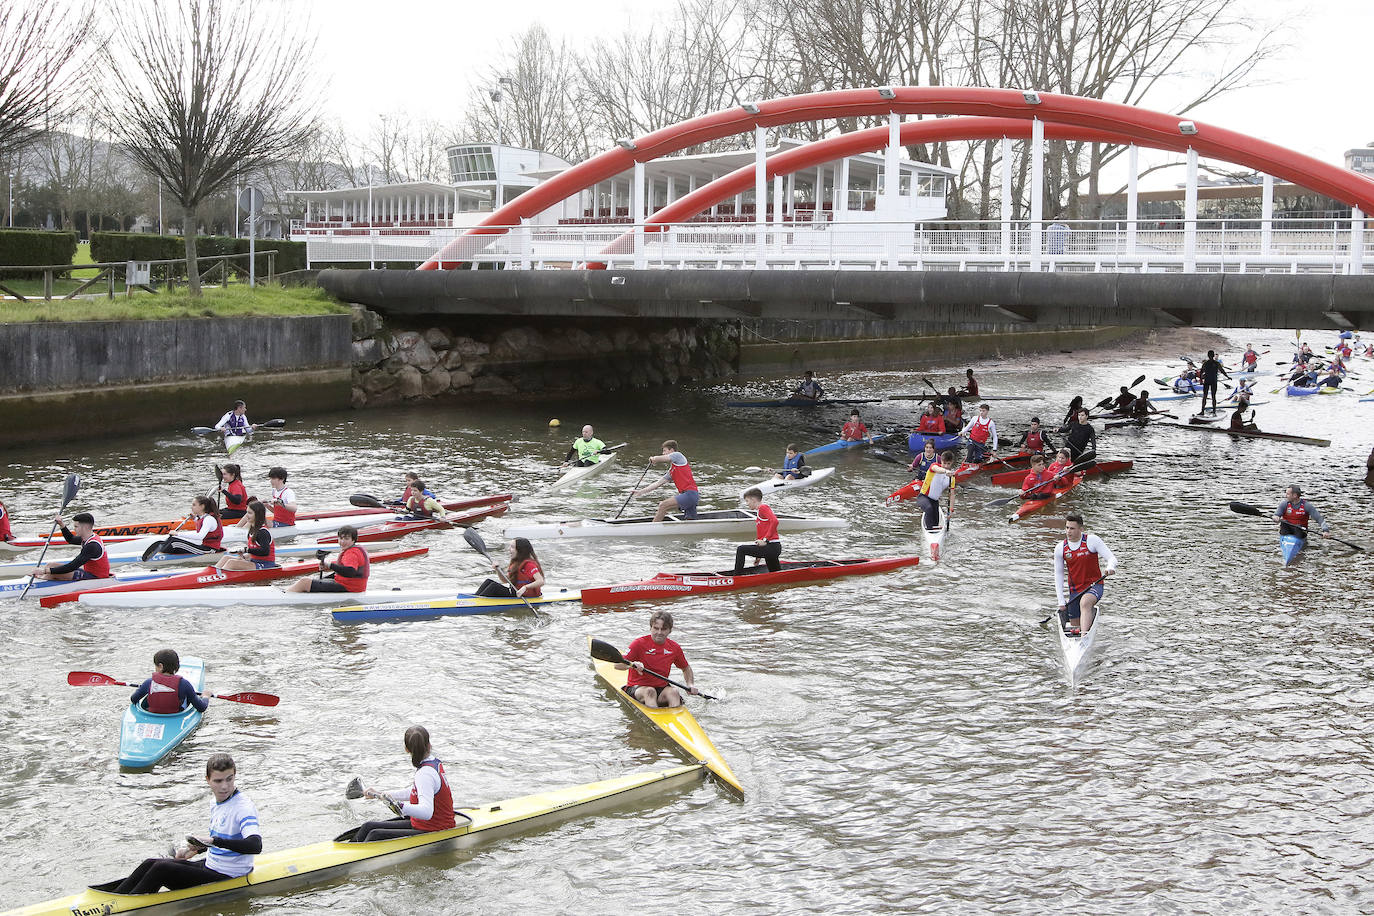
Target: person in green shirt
x=585, y=451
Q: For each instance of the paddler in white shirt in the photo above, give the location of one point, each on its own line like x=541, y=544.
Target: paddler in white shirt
x=585, y=451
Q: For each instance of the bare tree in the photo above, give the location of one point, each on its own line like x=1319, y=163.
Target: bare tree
x=43, y=58
x=205, y=90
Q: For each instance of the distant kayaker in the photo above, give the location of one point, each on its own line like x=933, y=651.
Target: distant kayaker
x=5, y=533
x=1076, y=403
x=970, y=388
x=260, y=552
x=1079, y=435
x=423, y=503
x=234, y=839
x=1141, y=408
x=427, y=805
x=1123, y=401
x=1036, y=439
x=350, y=570
x=1038, y=474
x=235, y=422
x=1078, y=568
x=525, y=574
x=954, y=413
x=1211, y=369
x=283, y=504
x=1296, y=514
x=939, y=477
x=809, y=389
x=410, y=490
x=586, y=450
x=235, y=493
x=1238, y=421
x=793, y=464
x=767, y=545
x=168, y=693
x=981, y=433
x=1249, y=360
x=854, y=430
x=922, y=462
x=680, y=473
x=656, y=653
x=90, y=563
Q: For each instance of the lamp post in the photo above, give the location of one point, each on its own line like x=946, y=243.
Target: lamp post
x=497, y=97
x=9, y=218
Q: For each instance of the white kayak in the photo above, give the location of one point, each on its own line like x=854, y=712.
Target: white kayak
x=10, y=550
x=935, y=539
x=13, y=588
x=1078, y=651
x=772, y=486
x=162, y=560
x=256, y=596
x=233, y=443
x=234, y=535
x=730, y=522
x=577, y=476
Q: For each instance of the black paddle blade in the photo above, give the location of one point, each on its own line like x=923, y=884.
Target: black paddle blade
x=1103, y=404
x=69, y=488
x=1136, y=382
x=475, y=541
x=603, y=651
x=998, y=503
x=1246, y=509
x=278, y=423
x=365, y=501
x=354, y=789
x=154, y=548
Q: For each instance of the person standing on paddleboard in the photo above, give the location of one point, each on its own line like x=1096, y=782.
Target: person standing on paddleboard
x=767, y=545
x=426, y=806
x=1211, y=368
x=235, y=422
x=1295, y=514
x=1078, y=567
x=585, y=451
x=680, y=473
x=90, y=563
x=657, y=653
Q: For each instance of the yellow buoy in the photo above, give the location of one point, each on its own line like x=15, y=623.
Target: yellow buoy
x=554, y=422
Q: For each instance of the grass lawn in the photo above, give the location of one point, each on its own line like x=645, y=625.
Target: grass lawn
x=236, y=300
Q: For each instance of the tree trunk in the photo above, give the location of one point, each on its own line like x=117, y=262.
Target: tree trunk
x=188, y=232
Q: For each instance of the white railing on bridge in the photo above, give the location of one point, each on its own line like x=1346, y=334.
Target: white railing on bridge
x=1337, y=246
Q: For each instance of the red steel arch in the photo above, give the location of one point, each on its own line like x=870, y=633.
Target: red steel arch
x=1143, y=126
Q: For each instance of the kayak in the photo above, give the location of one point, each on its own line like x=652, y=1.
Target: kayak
x=233, y=443
x=450, y=605
x=1014, y=478
x=1199, y=419
x=676, y=722
x=772, y=486
x=904, y=493
x=1290, y=545
x=146, y=737
x=1253, y=434
x=1035, y=505
x=916, y=442
x=8, y=549
x=577, y=476
x=232, y=533
x=163, y=560
x=967, y=470
x=210, y=576
x=1077, y=650
x=738, y=522
x=1172, y=397
x=840, y=445
x=280, y=872
x=251, y=596
x=935, y=537
x=803, y=402
x=686, y=585
x=43, y=588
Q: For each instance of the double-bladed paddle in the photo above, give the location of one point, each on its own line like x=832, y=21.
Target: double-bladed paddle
x=603, y=651
x=1086, y=462
x=1107, y=401
x=604, y=451
x=354, y=789
x=277, y=423
x=69, y=488
x=96, y=679
x=1241, y=508
x=476, y=543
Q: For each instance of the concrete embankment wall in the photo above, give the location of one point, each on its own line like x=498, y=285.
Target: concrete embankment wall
x=77, y=380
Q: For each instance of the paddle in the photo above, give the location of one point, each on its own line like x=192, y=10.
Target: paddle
x=997, y=503
x=632, y=489
x=605, y=652
x=203, y=430
x=354, y=789
x=96, y=679
x=69, y=488
x=1107, y=401
x=1241, y=508
x=1075, y=596
x=362, y=500
x=604, y=451
x=278, y=423
x=476, y=543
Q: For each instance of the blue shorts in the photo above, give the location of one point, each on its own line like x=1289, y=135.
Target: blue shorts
x=264, y=564
x=275, y=524
x=80, y=574
x=687, y=501
x=1072, y=610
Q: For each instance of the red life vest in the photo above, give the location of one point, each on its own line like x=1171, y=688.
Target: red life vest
x=931, y=424
x=524, y=576
x=164, y=694
x=214, y=536
x=5, y=533
x=280, y=514
x=853, y=432
x=98, y=568
x=682, y=477
x=236, y=488
x=1033, y=479
x=980, y=430
x=442, y=817
x=356, y=557
x=1035, y=442
x=1296, y=515
x=1081, y=564
x=271, y=555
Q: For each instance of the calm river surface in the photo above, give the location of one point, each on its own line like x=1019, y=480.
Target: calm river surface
x=907, y=742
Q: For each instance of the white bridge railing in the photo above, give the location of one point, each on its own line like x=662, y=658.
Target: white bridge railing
x=1148, y=246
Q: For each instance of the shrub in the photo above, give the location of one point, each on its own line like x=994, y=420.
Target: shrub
x=22, y=247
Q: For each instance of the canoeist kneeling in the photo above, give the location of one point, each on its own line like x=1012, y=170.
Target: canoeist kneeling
x=939, y=477
x=235, y=838
x=1078, y=567
x=1238, y=421
x=650, y=660
x=1141, y=408
x=349, y=571
x=680, y=473
x=524, y=577
x=981, y=433
x=585, y=451
x=90, y=563
x=260, y=552
x=427, y=805
x=767, y=545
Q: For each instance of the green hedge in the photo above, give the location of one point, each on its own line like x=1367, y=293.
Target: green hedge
x=135, y=246
x=21, y=247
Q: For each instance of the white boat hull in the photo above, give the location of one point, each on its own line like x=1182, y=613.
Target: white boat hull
x=724, y=522
x=160, y=561
x=13, y=588
x=935, y=539
x=578, y=476
x=255, y=596
x=773, y=487
x=1078, y=651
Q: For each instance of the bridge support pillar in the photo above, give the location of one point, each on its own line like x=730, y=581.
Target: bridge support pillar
x=760, y=197
x=637, y=215
x=1132, y=198
x=892, y=186
x=1006, y=203
x=1267, y=216
x=1356, y=241
x=1037, y=214
x=1190, y=215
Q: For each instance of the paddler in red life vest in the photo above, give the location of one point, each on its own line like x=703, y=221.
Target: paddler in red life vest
x=939, y=477
x=209, y=535
x=5, y=533
x=970, y=388
x=1063, y=460
x=426, y=806
x=1296, y=514
x=932, y=421
x=767, y=545
x=235, y=504
x=1036, y=439
x=981, y=433
x=350, y=570
x=658, y=654
x=168, y=693
x=680, y=473
x=854, y=430
x=90, y=563
x=1038, y=474
x=524, y=573
x=283, y=503
x=1078, y=568
x=1249, y=360
x=260, y=551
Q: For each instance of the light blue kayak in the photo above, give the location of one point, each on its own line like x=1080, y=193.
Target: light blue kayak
x=1291, y=545
x=457, y=606
x=1182, y=396
x=146, y=737
x=839, y=445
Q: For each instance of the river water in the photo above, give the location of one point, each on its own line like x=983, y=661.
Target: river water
x=907, y=743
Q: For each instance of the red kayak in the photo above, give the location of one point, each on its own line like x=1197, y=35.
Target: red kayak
x=1014, y=478
x=966, y=470
x=683, y=585
x=1035, y=505
x=208, y=576
x=398, y=528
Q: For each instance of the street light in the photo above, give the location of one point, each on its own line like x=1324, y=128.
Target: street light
x=497, y=97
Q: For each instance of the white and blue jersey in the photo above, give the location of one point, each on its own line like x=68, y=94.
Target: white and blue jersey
x=235, y=818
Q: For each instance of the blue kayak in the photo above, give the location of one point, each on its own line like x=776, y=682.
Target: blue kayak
x=916, y=442
x=146, y=737
x=839, y=445
x=1291, y=545
x=1297, y=391
x=1172, y=397
x=802, y=402
x=457, y=606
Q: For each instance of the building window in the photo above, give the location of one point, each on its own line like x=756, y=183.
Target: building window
x=471, y=163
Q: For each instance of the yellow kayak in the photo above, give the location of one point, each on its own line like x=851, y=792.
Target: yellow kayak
x=278, y=872
x=676, y=722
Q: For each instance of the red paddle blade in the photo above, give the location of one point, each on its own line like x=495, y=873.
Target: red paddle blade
x=257, y=699
x=92, y=679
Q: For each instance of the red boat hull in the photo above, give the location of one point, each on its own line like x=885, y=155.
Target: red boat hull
x=1014, y=478
x=683, y=585
x=1035, y=505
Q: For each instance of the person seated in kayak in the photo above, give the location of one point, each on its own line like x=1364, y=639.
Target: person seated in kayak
x=793, y=464
x=235, y=422
x=680, y=473
x=767, y=545
x=1123, y=401
x=523, y=572
x=409, y=490
x=1078, y=568
x=260, y=552
x=954, y=414
x=1249, y=360
x=854, y=430
x=1238, y=421
x=208, y=536
x=1079, y=435
x=970, y=388
x=1063, y=460
x=586, y=450
x=235, y=837
x=91, y=562
x=1038, y=475
x=1245, y=388
x=939, y=477
x=350, y=570
x=809, y=389
x=235, y=505
x=1304, y=378
x=168, y=693
x=1141, y=408
x=426, y=806
x=932, y=422
x=1296, y=514
x=658, y=654
x=283, y=503
x=6, y=534
x=1333, y=380
x=1035, y=439
x=1183, y=384
x=922, y=462
x=981, y=433
x=422, y=503
x=1076, y=403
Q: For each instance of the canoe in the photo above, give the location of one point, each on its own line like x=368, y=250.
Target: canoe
x=1014, y=478
x=252, y=596
x=449, y=606
x=676, y=722
x=1290, y=545
x=1077, y=651
x=1253, y=434
x=916, y=442
x=233, y=444
x=209, y=576
x=771, y=486
x=577, y=476
x=802, y=402
x=146, y=737
x=1035, y=505
x=935, y=537
x=55, y=588
x=280, y=872
x=686, y=585
x=737, y=522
